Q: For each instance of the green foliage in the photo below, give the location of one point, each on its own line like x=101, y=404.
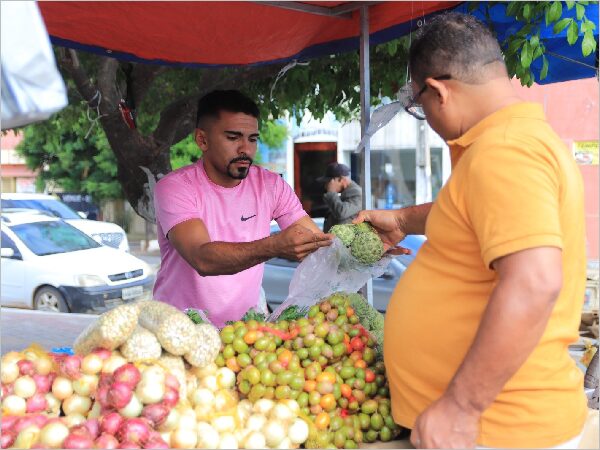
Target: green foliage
x=526, y=45
x=70, y=151
x=273, y=134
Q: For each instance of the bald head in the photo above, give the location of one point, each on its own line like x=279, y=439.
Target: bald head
x=458, y=45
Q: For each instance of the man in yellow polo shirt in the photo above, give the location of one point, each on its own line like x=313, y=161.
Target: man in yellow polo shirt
x=478, y=328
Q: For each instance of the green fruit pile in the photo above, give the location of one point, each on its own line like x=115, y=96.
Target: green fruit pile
x=325, y=361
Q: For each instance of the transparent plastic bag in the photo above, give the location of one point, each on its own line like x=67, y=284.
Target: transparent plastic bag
x=328, y=270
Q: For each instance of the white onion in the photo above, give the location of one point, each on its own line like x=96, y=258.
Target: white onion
x=187, y=419
x=113, y=362
x=27, y=437
x=92, y=364
x=298, y=431
x=62, y=388
x=223, y=423
x=9, y=372
x=203, y=412
x=150, y=392
x=96, y=411
x=256, y=422
x=166, y=436
x=225, y=378
x=13, y=405
x=201, y=372
x=53, y=434
x=171, y=422
x=133, y=408
x=12, y=357
x=245, y=405
x=184, y=438
x=53, y=404
x=208, y=437
x=210, y=382
x=73, y=419
x=292, y=404
x=242, y=414
x=263, y=406
x=225, y=400
x=285, y=444
x=153, y=374
x=43, y=365
x=282, y=413
x=228, y=441
x=274, y=432
x=255, y=440
x=76, y=404
x=203, y=397
x=86, y=384
x=24, y=386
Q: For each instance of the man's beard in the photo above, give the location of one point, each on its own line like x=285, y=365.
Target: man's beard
x=241, y=172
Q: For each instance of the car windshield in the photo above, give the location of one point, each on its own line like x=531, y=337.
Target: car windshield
x=54, y=207
x=47, y=238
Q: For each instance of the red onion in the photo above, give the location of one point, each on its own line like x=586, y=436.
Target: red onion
x=7, y=438
x=102, y=396
x=102, y=353
x=42, y=383
x=8, y=422
x=93, y=426
x=156, y=442
x=26, y=367
x=71, y=366
x=134, y=430
x=119, y=395
x=171, y=397
x=128, y=374
x=36, y=403
x=111, y=423
x=6, y=390
x=81, y=430
x=172, y=381
x=106, y=379
x=37, y=420
x=106, y=441
x=156, y=413
x=75, y=440
x=128, y=444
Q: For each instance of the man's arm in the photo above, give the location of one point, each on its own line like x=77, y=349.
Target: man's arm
x=518, y=311
x=191, y=239
x=343, y=209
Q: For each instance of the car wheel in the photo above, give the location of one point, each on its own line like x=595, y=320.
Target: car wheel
x=48, y=298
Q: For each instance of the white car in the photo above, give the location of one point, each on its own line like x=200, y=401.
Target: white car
x=106, y=233
x=47, y=264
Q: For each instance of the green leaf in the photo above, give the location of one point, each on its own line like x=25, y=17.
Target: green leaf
x=570, y=4
x=587, y=25
x=514, y=45
x=544, y=71
x=538, y=52
x=572, y=33
x=588, y=45
x=512, y=9
x=527, y=11
x=580, y=9
x=555, y=11
x=526, y=55
x=534, y=41
x=561, y=25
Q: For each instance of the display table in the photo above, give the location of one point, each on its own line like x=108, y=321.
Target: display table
x=20, y=328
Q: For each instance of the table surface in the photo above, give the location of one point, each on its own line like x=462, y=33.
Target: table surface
x=19, y=328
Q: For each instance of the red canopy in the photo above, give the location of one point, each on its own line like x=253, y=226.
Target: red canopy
x=226, y=33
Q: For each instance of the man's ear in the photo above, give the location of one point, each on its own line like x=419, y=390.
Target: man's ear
x=439, y=89
x=200, y=137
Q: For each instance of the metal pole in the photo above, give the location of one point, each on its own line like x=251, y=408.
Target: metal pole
x=365, y=117
x=423, y=165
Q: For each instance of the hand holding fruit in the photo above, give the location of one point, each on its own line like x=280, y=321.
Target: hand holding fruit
x=297, y=242
x=388, y=225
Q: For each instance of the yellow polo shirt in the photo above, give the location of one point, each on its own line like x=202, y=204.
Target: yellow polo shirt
x=514, y=185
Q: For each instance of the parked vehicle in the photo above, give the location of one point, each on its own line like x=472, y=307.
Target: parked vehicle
x=279, y=272
x=47, y=264
x=106, y=233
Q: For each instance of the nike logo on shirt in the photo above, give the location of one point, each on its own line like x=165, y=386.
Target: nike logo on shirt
x=246, y=218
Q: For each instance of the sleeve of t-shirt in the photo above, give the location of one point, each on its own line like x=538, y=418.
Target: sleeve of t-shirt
x=512, y=202
x=174, y=202
x=287, y=208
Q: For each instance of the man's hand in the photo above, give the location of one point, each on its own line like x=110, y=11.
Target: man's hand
x=297, y=242
x=389, y=227
x=445, y=424
x=334, y=185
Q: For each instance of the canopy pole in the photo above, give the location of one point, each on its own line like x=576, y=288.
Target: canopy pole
x=365, y=117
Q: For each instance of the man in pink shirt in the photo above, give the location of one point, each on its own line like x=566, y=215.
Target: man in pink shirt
x=214, y=216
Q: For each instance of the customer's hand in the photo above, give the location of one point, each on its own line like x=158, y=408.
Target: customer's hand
x=388, y=225
x=334, y=185
x=297, y=242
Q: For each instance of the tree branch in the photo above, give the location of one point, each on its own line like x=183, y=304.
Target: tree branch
x=143, y=76
x=107, y=84
x=69, y=61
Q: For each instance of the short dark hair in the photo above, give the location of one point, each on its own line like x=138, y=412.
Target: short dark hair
x=225, y=100
x=454, y=44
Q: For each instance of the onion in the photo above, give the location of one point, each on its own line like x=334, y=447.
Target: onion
x=256, y=422
x=129, y=445
x=223, y=423
x=263, y=406
x=110, y=423
x=227, y=441
x=5, y=391
x=210, y=382
x=102, y=396
x=14, y=405
x=8, y=422
x=172, y=382
x=282, y=412
x=71, y=366
x=119, y=395
x=133, y=408
x=27, y=437
x=171, y=397
x=7, y=438
x=225, y=378
x=53, y=434
x=75, y=440
x=26, y=367
x=274, y=432
x=76, y=404
x=171, y=422
x=156, y=442
x=156, y=413
x=128, y=374
x=150, y=392
x=52, y=404
x=36, y=403
x=93, y=426
x=291, y=404
x=255, y=440
x=106, y=441
x=106, y=379
x=203, y=396
x=298, y=431
x=62, y=388
x=225, y=399
x=85, y=385
x=91, y=364
x=43, y=365
x=112, y=363
x=135, y=430
x=24, y=386
x=42, y=383
x=11, y=357
x=184, y=438
x=155, y=374
x=208, y=437
x=103, y=353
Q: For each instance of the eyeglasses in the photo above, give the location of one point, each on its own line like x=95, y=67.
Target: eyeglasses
x=413, y=107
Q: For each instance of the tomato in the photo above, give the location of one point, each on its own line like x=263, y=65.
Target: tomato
x=346, y=390
x=285, y=357
x=233, y=364
x=328, y=402
x=369, y=376
x=360, y=364
x=326, y=376
x=357, y=343
x=310, y=385
x=322, y=421
x=349, y=311
x=250, y=337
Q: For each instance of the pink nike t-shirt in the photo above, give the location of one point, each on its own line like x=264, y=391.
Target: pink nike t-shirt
x=239, y=214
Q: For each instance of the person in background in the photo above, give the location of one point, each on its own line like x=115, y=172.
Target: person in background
x=213, y=217
x=343, y=196
x=478, y=327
